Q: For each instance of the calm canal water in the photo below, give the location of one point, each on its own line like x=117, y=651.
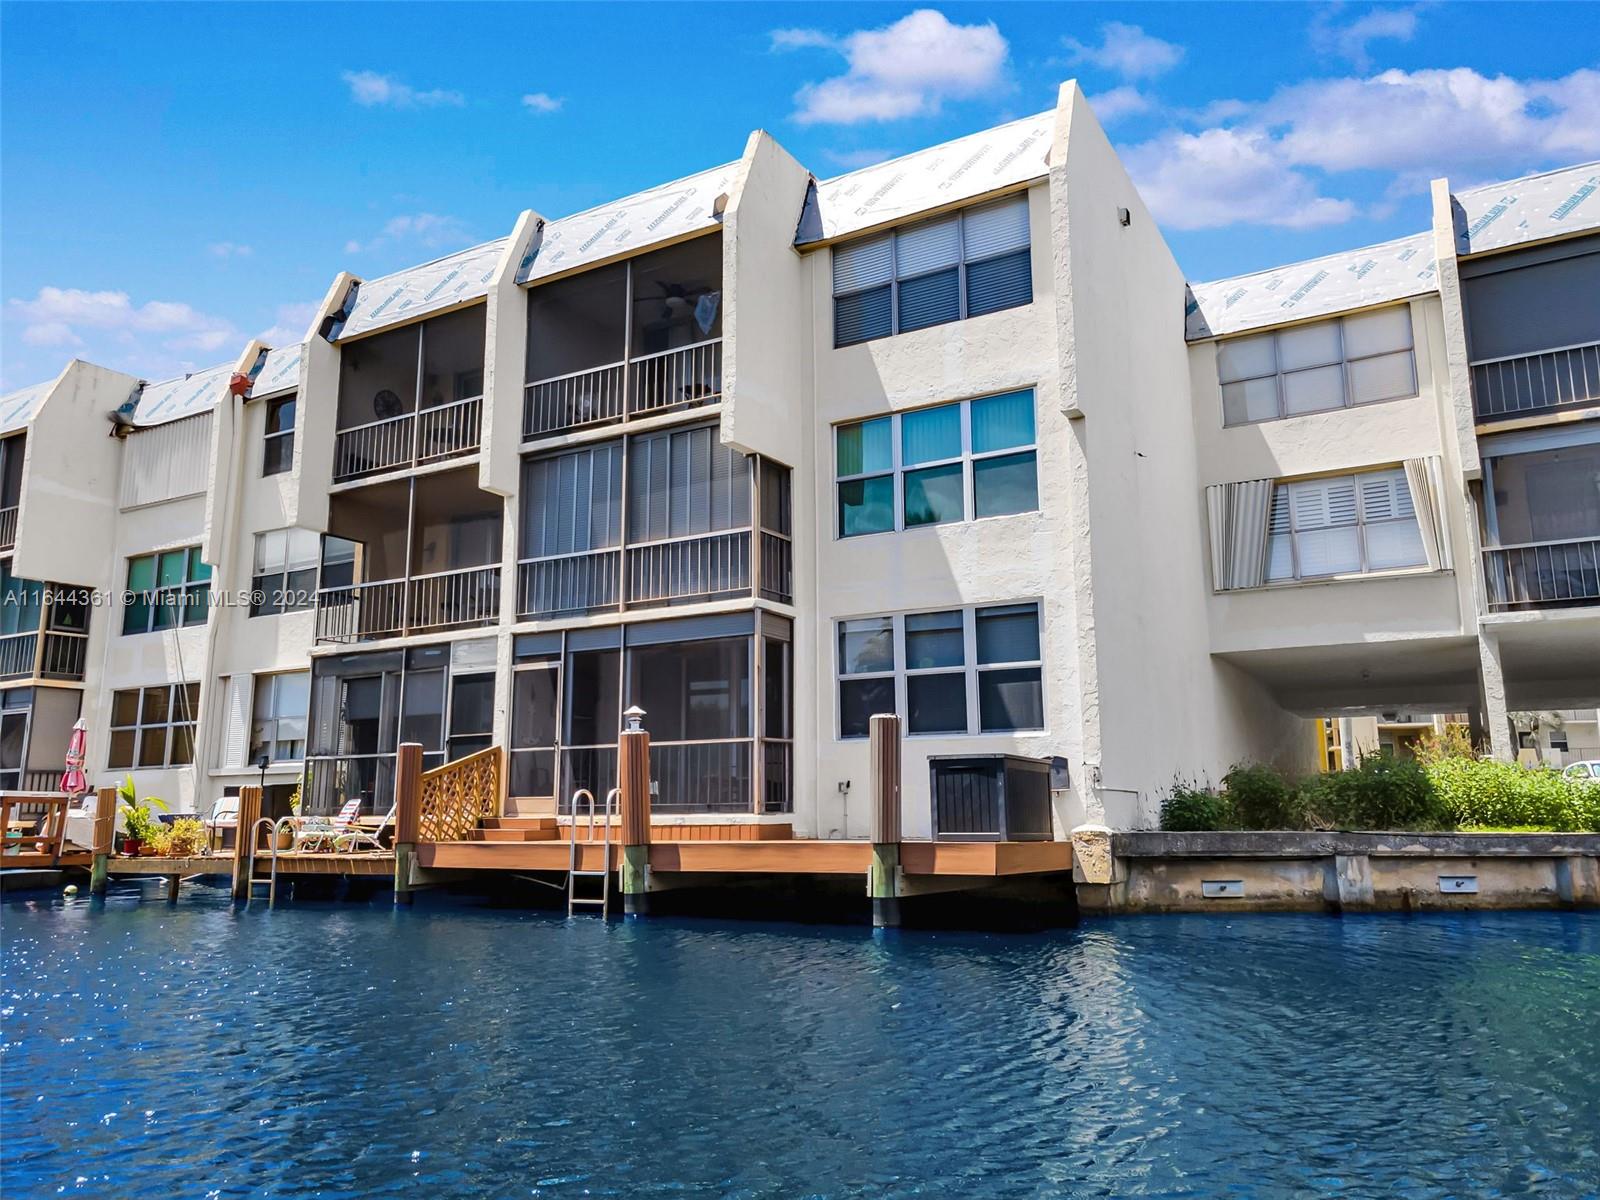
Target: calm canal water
x=343, y=1050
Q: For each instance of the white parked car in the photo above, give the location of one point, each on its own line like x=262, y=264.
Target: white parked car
x=1589, y=769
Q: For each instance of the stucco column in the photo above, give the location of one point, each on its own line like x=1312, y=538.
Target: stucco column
x=1491, y=681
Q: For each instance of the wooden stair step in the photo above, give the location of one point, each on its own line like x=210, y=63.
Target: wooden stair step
x=519, y=822
x=516, y=835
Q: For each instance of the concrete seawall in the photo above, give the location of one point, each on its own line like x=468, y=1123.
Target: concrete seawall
x=1150, y=872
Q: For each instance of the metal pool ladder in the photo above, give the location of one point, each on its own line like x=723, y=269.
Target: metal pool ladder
x=584, y=797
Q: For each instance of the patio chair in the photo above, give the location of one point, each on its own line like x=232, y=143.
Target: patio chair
x=224, y=816
x=358, y=837
x=322, y=833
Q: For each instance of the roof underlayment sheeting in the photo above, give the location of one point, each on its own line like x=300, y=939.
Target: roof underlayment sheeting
x=1554, y=204
x=941, y=175
x=17, y=408
x=625, y=226
x=174, y=399
x=1354, y=279
x=417, y=291
x=280, y=373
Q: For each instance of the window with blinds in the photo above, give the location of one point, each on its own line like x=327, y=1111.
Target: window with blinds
x=1346, y=525
x=1360, y=359
x=685, y=482
x=572, y=503
x=964, y=264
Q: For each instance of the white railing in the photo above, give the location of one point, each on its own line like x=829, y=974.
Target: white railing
x=569, y=583
x=703, y=566
x=681, y=378
x=8, y=527
x=592, y=397
x=1539, y=573
x=376, y=446
x=1531, y=383
x=361, y=611
x=465, y=596
x=449, y=430
x=18, y=652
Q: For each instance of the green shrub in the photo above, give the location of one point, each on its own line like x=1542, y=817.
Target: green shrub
x=1506, y=795
x=1382, y=792
x=1190, y=808
x=1261, y=798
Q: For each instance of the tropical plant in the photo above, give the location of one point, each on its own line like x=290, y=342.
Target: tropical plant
x=1261, y=798
x=186, y=838
x=1454, y=742
x=138, y=817
x=1381, y=792
x=1503, y=795
x=1191, y=808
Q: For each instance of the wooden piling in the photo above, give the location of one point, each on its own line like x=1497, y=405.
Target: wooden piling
x=244, y=841
x=407, y=816
x=105, y=832
x=633, y=782
x=883, y=875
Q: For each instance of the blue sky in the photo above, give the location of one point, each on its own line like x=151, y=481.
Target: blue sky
x=178, y=178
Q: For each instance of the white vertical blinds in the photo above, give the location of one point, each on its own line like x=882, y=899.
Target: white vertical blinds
x=1238, y=514
x=1426, y=493
x=685, y=482
x=166, y=462
x=572, y=502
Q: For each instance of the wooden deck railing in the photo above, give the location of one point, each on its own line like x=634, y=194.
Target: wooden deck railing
x=455, y=797
x=50, y=815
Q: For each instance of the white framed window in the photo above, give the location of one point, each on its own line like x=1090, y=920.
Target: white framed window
x=962, y=264
x=1345, y=525
x=932, y=466
x=947, y=671
x=285, y=575
x=1360, y=359
x=278, y=716
x=153, y=726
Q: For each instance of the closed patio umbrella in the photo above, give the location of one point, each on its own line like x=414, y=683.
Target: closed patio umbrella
x=74, y=782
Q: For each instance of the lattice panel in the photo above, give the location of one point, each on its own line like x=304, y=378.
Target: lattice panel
x=456, y=796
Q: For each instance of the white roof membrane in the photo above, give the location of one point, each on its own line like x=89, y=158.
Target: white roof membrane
x=1354, y=279
x=946, y=174
x=660, y=214
x=174, y=399
x=280, y=373
x=1500, y=215
x=417, y=291
x=18, y=408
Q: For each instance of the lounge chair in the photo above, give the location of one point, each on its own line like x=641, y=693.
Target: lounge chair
x=358, y=837
x=224, y=816
x=322, y=833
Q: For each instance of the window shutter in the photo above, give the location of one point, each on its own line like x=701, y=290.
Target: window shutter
x=994, y=229
x=862, y=317
x=999, y=283
x=235, y=746
x=862, y=264
x=1377, y=497
x=928, y=247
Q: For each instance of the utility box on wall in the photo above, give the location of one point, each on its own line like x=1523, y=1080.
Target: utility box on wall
x=990, y=798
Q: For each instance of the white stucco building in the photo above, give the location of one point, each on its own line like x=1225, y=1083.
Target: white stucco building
x=765, y=454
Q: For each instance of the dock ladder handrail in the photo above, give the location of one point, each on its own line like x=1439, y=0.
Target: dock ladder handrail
x=574, y=872
x=249, y=850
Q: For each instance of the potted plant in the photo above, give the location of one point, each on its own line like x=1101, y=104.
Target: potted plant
x=138, y=819
x=186, y=838
x=285, y=830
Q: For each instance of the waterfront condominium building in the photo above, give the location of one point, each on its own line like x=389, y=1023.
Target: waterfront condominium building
x=763, y=455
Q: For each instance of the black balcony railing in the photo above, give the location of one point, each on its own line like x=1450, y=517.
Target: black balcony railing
x=669, y=381
x=1530, y=384
x=1543, y=574
x=408, y=440
x=460, y=599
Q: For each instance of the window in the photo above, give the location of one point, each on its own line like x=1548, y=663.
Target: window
x=277, y=445
x=964, y=264
x=278, y=719
x=1314, y=368
x=1341, y=526
x=285, y=575
x=932, y=466
x=960, y=670
x=153, y=727
x=166, y=590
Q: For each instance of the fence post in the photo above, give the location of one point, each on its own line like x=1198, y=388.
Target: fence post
x=105, y=832
x=883, y=875
x=407, y=816
x=633, y=781
x=244, y=841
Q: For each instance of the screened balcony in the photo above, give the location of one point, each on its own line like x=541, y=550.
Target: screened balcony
x=44, y=629
x=410, y=397
x=1541, y=536
x=410, y=556
x=629, y=340
x=653, y=519
x=12, y=450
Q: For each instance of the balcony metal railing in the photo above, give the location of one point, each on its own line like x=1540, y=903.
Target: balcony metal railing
x=669, y=380
x=1527, y=384
x=777, y=775
x=18, y=654
x=777, y=567
x=702, y=776
x=383, y=608
x=1536, y=574
x=702, y=567
x=410, y=439
x=569, y=583
x=64, y=655
x=8, y=528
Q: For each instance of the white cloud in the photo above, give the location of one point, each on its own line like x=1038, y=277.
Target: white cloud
x=372, y=90
x=161, y=336
x=854, y=160
x=1350, y=41
x=1128, y=51
x=431, y=231
x=50, y=333
x=289, y=324
x=903, y=70
x=542, y=102
x=227, y=250
x=1119, y=102
x=801, y=39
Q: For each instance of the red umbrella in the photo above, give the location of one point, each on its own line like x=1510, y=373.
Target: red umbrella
x=73, y=781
